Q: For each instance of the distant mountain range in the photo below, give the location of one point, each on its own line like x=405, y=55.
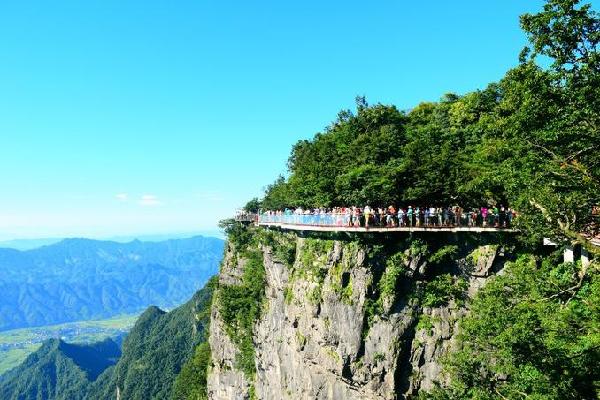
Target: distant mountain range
x=78, y=279
x=29, y=244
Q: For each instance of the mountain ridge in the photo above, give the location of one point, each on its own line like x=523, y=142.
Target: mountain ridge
x=59, y=370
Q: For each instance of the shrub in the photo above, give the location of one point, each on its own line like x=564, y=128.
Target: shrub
x=442, y=289
x=240, y=306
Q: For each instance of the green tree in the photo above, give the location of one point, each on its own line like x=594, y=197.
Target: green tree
x=253, y=205
x=530, y=334
x=546, y=140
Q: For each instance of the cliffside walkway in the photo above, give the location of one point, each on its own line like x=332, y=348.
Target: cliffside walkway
x=340, y=224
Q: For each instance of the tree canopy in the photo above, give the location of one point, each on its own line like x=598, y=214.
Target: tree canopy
x=531, y=140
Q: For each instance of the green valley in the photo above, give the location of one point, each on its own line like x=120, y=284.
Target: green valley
x=17, y=344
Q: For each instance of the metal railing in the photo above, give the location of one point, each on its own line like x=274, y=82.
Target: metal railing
x=306, y=219
x=350, y=221
x=246, y=217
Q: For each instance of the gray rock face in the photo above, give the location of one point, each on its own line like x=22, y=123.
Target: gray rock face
x=318, y=338
x=225, y=381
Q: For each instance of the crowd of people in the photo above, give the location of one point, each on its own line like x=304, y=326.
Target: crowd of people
x=492, y=216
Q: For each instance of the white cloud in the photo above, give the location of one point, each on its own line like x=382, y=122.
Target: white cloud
x=122, y=197
x=149, y=200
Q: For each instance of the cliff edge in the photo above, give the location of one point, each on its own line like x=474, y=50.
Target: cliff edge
x=341, y=317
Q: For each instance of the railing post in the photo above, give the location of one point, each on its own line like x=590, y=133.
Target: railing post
x=585, y=258
x=569, y=254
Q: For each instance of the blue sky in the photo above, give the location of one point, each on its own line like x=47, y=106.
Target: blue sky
x=146, y=117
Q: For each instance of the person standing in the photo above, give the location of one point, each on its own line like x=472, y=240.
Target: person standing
x=356, y=217
x=496, y=214
x=367, y=213
x=391, y=214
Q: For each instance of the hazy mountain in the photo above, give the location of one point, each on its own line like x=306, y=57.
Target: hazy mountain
x=28, y=244
x=79, y=279
x=59, y=370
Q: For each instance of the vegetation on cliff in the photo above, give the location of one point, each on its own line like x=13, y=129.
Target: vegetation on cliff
x=240, y=306
x=240, y=303
x=533, y=331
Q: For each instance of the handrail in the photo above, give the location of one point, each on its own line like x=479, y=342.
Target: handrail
x=349, y=222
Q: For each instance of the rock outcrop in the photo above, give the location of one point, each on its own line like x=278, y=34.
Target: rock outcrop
x=349, y=319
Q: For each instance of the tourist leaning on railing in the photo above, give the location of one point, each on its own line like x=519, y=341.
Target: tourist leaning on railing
x=367, y=216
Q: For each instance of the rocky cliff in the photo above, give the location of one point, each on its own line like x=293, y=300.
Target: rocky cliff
x=341, y=317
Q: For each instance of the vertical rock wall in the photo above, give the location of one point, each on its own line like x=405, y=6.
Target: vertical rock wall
x=224, y=380
x=327, y=330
